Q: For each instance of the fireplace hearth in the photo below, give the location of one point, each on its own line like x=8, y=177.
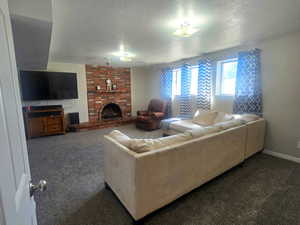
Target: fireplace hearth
x=111, y=111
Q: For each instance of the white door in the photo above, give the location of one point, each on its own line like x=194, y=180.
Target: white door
x=16, y=205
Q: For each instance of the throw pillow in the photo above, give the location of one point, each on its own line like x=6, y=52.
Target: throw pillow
x=205, y=118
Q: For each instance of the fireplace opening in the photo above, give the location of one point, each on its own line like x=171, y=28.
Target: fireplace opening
x=111, y=111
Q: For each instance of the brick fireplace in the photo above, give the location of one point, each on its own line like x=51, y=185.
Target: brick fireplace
x=108, y=107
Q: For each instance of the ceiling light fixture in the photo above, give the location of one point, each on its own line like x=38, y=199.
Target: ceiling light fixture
x=125, y=59
x=124, y=55
x=185, y=30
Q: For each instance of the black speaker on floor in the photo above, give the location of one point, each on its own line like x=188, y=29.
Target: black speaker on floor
x=73, y=121
x=73, y=118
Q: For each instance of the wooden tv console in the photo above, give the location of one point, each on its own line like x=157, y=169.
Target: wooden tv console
x=43, y=121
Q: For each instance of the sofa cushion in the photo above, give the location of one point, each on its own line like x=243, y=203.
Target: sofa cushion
x=222, y=117
x=199, y=132
x=229, y=124
x=249, y=117
x=184, y=125
x=205, y=118
x=145, y=145
x=120, y=137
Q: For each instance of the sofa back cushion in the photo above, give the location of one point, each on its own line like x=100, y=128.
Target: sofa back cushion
x=229, y=124
x=202, y=131
x=205, y=118
x=222, y=117
x=145, y=145
x=120, y=137
x=249, y=117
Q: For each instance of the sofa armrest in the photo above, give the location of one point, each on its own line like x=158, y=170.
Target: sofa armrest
x=119, y=172
x=255, y=137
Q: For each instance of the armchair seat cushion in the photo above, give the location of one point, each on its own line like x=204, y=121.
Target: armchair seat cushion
x=144, y=118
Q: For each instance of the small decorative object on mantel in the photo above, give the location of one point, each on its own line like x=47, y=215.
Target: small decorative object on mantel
x=114, y=87
x=108, y=85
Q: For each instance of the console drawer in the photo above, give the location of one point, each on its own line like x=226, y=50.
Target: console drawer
x=54, y=128
x=54, y=120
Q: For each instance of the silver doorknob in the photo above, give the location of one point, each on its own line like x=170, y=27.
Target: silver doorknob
x=41, y=186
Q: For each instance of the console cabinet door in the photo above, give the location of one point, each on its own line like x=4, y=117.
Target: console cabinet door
x=54, y=124
x=37, y=126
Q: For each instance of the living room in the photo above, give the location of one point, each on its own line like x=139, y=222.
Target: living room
x=149, y=112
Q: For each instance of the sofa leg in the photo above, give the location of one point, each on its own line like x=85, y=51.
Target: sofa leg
x=137, y=222
x=242, y=164
x=106, y=186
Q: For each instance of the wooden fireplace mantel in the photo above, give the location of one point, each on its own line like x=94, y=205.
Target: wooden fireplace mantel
x=107, y=92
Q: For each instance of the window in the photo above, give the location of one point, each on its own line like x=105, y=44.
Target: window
x=176, y=84
x=226, y=75
x=194, y=80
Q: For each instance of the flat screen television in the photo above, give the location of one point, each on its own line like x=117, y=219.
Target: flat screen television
x=41, y=85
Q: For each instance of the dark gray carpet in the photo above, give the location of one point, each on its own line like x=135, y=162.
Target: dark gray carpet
x=265, y=191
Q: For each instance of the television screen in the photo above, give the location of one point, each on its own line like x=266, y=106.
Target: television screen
x=40, y=85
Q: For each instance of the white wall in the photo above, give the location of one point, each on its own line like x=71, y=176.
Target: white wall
x=145, y=85
x=281, y=82
x=139, y=89
x=72, y=105
x=280, y=61
x=280, y=85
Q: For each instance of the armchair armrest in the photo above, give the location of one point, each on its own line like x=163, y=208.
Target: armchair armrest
x=142, y=113
x=158, y=115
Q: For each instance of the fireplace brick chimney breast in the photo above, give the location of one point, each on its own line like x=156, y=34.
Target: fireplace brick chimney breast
x=97, y=99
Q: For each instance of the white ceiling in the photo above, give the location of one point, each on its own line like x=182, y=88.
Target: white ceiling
x=36, y=9
x=87, y=31
x=31, y=25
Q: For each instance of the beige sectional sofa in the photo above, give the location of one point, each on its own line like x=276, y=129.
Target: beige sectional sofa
x=145, y=182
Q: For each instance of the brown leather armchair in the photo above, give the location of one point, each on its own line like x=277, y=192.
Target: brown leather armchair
x=150, y=119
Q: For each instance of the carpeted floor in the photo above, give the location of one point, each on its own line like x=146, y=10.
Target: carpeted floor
x=265, y=191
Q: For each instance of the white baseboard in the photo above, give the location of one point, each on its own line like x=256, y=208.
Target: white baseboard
x=282, y=156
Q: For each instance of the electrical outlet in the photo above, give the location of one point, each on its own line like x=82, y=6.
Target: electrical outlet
x=298, y=144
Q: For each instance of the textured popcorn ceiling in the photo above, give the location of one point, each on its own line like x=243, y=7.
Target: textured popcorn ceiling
x=88, y=31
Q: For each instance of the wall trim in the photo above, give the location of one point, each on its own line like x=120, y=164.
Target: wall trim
x=282, y=155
